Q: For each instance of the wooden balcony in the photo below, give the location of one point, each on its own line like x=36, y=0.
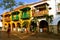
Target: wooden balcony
x=25, y=13
x=40, y=13
x=42, y=10
x=7, y=19
x=7, y=15
x=15, y=18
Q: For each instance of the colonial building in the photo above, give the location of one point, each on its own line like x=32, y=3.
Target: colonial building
x=43, y=16
x=16, y=19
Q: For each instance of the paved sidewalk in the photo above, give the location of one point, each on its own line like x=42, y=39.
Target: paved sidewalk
x=4, y=36
x=23, y=35
x=43, y=36
x=37, y=36
x=29, y=36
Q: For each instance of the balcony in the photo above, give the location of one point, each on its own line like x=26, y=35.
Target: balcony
x=25, y=13
x=58, y=8
x=7, y=15
x=7, y=19
x=40, y=13
x=40, y=10
x=16, y=18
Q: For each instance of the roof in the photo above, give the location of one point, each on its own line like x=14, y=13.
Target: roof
x=5, y=13
x=23, y=6
x=27, y=5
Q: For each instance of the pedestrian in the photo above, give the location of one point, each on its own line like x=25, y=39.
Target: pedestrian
x=8, y=31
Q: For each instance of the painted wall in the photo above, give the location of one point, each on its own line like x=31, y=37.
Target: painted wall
x=53, y=4
x=0, y=24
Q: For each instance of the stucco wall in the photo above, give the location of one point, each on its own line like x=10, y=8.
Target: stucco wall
x=56, y=20
x=0, y=24
x=56, y=17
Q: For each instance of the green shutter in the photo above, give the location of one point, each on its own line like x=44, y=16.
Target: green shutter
x=15, y=18
x=25, y=15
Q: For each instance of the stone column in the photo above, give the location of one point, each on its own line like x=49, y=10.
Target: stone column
x=21, y=27
x=28, y=26
x=11, y=27
x=16, y=27
x=37, y=26
x=3, y=28
x=55, y=31
x=50, y=28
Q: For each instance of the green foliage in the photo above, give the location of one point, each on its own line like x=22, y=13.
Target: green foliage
x=25, y=23
x=48, y=17
x=35, y=20
x=51, y=17
x=21, y=3
x=9, y=4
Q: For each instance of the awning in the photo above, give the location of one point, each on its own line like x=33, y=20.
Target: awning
x=16, y=12
x=25, y=9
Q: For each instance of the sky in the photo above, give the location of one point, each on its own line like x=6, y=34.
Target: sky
x=25, y=1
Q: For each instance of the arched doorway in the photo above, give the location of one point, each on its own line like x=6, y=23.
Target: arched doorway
x=9, y=25
x=5, y=26
x=13, y=27
x=33, y=26
x=43, y=25
x=18, y=25
x=58, y=26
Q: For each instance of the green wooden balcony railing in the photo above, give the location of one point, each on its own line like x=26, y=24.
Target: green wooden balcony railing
x=15, y=13
x=25, y=13
x=15, y=18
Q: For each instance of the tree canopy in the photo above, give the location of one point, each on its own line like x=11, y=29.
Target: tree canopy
x=9, y=4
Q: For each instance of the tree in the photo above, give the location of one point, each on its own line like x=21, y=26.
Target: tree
x=48, y=18
x=51, y=17
x=9, y=4
x=35, y=20
x=34, y=24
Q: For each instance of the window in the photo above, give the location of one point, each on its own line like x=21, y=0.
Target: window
x=58, y=6
x=58, y=12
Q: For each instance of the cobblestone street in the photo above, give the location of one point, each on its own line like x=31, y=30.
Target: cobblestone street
x=29, y=36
